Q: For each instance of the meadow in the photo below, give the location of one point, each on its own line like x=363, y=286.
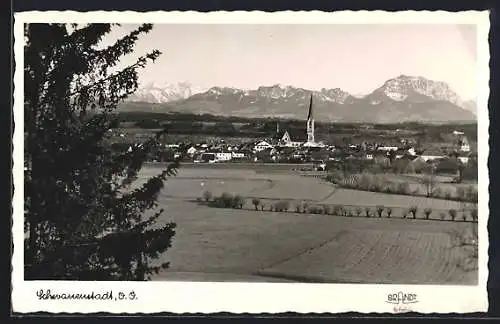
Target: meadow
x=216, y=244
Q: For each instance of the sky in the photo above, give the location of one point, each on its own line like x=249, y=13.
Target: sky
x=356, y=58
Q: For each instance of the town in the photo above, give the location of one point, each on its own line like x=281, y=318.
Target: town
x=401, y=154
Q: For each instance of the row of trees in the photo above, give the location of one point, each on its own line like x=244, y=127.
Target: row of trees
x=236, y=201
x=380, y=183
x=82, y=219
x=225, y=200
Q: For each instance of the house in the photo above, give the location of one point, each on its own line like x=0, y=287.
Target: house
x=237, y=155
x=261, y=146
x=207, y=157
x=431, y=154
x=191, y=151
x=314, y=144
x=387, y=148
x=463, y=144
x=223, y=156
x=464, y=157
x=411, y=151
x=291, y=138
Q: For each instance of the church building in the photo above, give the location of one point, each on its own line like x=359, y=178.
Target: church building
x=298, y=139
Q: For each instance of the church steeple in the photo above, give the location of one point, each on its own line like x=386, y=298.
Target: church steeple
x=310, y=114
x=310, y=123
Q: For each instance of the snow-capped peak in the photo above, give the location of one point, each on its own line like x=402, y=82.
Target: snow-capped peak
x=333, y=95
x=160, y=92
x=400, y=88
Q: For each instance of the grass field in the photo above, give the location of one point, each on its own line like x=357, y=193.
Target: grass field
x=214, y=244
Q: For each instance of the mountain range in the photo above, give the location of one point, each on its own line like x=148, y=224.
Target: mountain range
x=400, y=99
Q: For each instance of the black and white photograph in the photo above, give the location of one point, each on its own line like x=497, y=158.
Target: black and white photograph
x=274, y=152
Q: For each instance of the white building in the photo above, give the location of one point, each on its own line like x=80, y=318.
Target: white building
x=387, y=148
x=223, y=156
x=429, y=155
x=192, y=150
x=237, y=155
x=261, y=146
x=464, y=145
x=286, y=139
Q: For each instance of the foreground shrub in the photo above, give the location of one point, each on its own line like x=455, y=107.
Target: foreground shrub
x=453, y=213
x=315, y=210
x=227, y=200
x=238, y=202
x=207, y=196
x=216, y=202
x=282, y=206
x=305, y=207
x=388, y=211
x=337, y=210
x=256, y=203
x=427, y=212
x=380, y=211
x=413, y=211
x=473, y=214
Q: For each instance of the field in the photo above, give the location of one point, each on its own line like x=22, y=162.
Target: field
x=215, y=244
x=444, y=183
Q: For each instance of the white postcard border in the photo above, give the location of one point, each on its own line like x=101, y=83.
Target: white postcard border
x=192, y=297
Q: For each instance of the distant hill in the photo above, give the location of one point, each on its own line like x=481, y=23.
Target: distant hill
x=401, y=99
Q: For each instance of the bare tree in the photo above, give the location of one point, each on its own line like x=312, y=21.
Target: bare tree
x=467, y=241
x=429, y=182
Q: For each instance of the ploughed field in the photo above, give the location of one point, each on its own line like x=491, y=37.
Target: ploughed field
x=215, y=244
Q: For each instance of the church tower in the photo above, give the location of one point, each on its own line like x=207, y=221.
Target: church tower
x=310, y=123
